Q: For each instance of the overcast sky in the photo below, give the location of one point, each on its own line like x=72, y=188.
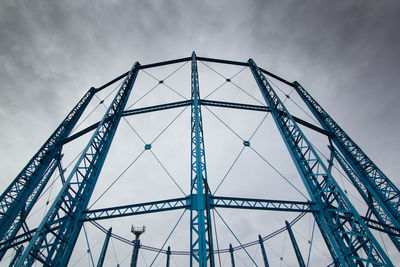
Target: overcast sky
x=345, y=53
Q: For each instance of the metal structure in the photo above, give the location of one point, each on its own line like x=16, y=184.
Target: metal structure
x=347, y=234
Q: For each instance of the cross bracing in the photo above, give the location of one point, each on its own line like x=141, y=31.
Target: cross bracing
x=347, y=234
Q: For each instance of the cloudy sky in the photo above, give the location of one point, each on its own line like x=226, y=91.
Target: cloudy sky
x=345, y=53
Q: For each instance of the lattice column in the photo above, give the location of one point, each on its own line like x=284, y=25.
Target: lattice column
x=55, y=237
x=15, y=200
x=347, y=236
x=201, y=248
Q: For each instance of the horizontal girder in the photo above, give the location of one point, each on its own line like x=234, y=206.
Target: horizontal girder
x=184, y=103
x=136, y=209
x=261, y=204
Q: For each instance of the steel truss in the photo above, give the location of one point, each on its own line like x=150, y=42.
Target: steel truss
x=346, y=233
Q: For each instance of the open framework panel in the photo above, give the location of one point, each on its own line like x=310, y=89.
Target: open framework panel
x=223, y=162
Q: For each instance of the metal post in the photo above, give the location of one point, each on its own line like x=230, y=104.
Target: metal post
x=342, y=228
x=261, y=241
x=232, y=257
x=56, y=235
x=137, y=231
x=201, y=244
x=17, y=224
x=15, y=198
x=168, y=255
x=104, y=249
x=384, y=192
x=135, y=254
x=366, y=195
x=295, y=246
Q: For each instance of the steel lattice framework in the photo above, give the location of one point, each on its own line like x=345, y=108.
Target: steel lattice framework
x=346, y=232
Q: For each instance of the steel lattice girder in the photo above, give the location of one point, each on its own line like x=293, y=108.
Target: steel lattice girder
x=201, y=241
x=344, y=217
x=340, y=224
x=366, y=195
x=185, y=103
x=384, y=192
x=185, y=203
x=16, y=197
x=55, y=238
x=136, y=209
x=20, y=219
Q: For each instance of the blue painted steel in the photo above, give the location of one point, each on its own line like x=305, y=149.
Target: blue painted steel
x=295, y=246
x=104, y=249
x=136, y=209
x=56, y=235
x=135, y=254
x=344, y=231
x=15, y=197
x=232, y=256
x=223, y=104
x=157, y=108
x=185, y=202
x=374, y=207
x=261, y=204
x=201, y=242
x=261, y=241
x=384, y=192
x=30, y=202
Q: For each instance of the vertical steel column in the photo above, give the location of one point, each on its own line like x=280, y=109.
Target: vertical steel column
x=168, y=255
x=384, y=192
x=374, y=207
x=135, y=254
x=30, y=202
x=263, y=251
x=295, y=246
x=56, y=235
x=201, y=243
x=104, y=249
x=232, y=257
x=344, y=231
x=15, y=197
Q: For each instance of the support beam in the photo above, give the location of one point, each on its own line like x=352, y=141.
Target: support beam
x=344, y=237
x=184, y=103
x=373, y=205
x=384, y=192
x=163, y=63
x=295, y=246
x=261, y=242
x=223, y=61
x=135, y=254
x=129, y=113
x=258, y=108
x=14, y=198
x=17, y=224
x=261, y=204
x=56, y=235
x=136, y=209
x=104, y=249
x=222, y=104
x=157, y=108
x=201, y=241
